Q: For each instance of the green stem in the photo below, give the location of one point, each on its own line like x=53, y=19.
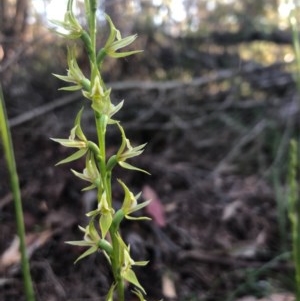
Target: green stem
x=101, y=131
x=101, y=123
x=100, y=56
x=116, y=265
x=115, y=250
x=294, y=211
x=93, y=35
x=88, y=45
x=93, y=22
x=296, y=44
x=14, y=183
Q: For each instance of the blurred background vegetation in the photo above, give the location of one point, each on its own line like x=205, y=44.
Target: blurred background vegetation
x=231, y=56
x=182, y=39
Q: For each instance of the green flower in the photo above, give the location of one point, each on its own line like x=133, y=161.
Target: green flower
x=70, y=27
x=110, y=294
x=99, y=96
x=92, y=240
x=76, y=139
x=139, y=295
x=130, y=204
x=127, y=262
x=74, y=74
x=115, y=42
x=105, y=212
x=90, y=173
x=126, y=151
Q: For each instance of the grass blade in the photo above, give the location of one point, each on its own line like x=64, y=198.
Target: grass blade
x=5, y=136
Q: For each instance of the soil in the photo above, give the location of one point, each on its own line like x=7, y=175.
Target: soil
x=214, y=233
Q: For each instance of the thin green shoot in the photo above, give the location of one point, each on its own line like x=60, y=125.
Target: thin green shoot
x=293, y=210
x=281, y=209
x=102, y=233
x=5, y=137
x=296, y=42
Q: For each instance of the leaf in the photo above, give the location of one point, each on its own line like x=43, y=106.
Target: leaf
x=33, y=241
x=155, y=209
x=168, y=287
x=12, y=254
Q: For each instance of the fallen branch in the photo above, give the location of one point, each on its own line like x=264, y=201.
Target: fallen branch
x=236, y=150
x=147, y=86
x=224, y=260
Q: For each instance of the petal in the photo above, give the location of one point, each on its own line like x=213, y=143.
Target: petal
x=80, y=175
x=139, y=295
x=73, y=157
x=130, y=276
x=141, y=218
x=123, y=43
x=141, y=263
x=131, y=167
x=114, y=109
x=78, y=131
x=71, y=88
x=105, y=223
x=113, y=32
x=140, y=206
x=110, y=294
x=64, y=78
x=93, y=186
x=123, y=54
x=70, y=143
x=81, y=243
x=88, y=252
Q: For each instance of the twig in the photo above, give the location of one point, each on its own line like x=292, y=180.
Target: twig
x=147, y=86
x=235, y=151
x=228, y=261
x=18, y=53
x=41, y=110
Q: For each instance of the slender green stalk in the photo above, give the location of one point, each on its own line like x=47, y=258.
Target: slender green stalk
x=106, y=235
x=296, y=43
x=14, y=183
x=281, y=210
x=294, y=202
x=294, y=214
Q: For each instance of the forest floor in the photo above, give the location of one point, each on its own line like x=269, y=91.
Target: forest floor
x=214, y=233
